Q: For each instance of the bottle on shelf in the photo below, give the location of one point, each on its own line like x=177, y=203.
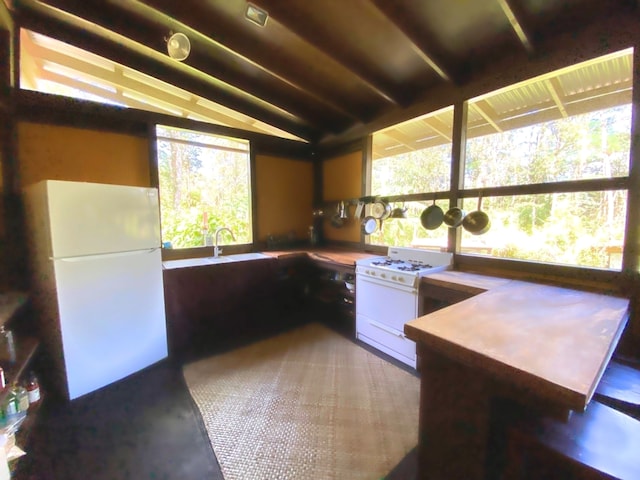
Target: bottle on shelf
x=33, y=388
x=22, y=400
x=8, y=344
x=10, y=407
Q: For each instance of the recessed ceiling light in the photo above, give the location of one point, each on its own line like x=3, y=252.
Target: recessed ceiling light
x=256, y=15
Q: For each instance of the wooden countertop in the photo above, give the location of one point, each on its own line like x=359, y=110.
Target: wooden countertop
x=551, y=340
x=342, y=257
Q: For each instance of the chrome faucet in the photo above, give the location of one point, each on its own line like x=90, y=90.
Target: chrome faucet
x=217, y=251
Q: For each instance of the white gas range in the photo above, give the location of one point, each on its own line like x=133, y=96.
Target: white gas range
x=387, y=297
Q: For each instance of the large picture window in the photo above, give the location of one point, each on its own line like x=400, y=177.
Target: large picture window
x=549, y=156
x=205, y=184
x=567, y=133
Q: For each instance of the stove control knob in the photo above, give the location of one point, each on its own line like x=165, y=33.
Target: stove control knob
x=401, y=279
x=382, y=275
x=393, y=277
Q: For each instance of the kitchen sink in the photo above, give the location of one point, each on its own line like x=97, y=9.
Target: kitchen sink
x=204, y=261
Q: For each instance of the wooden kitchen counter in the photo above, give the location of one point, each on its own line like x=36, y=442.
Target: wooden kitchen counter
x=542, y=346
x=340, y=257
x=554, y=341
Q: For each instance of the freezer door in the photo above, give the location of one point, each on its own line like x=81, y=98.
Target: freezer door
x=91, y=218
x=112, y=317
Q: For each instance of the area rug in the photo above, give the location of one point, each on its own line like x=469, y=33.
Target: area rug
x=306, y=404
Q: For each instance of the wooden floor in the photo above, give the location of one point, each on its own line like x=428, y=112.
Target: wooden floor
x=143, y=427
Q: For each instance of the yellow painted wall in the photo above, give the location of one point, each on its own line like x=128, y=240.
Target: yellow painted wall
x=67, y=153
x=342, y=179
x=284, y=191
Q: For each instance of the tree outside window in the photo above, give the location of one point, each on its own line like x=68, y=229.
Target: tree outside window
x=205, y=184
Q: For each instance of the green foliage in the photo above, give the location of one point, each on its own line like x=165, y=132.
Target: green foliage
x=580, y=228
x=202, y=189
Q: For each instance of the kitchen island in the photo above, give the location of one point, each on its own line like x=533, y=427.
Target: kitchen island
x=545, y=347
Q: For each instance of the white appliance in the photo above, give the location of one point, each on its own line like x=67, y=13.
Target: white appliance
x=387, y=297
x=96, y=280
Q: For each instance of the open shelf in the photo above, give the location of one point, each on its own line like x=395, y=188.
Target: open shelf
x=25, y=350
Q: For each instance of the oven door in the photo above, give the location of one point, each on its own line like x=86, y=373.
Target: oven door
x=382, y=309
x=387, y=303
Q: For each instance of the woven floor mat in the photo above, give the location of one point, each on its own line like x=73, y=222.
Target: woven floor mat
x=306, y=404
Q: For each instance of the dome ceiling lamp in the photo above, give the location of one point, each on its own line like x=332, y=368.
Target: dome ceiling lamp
x=178, y=46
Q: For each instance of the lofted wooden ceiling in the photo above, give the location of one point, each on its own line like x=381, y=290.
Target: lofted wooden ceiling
x=318, y=68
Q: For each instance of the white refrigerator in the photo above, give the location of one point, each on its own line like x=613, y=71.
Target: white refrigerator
x=96, y=281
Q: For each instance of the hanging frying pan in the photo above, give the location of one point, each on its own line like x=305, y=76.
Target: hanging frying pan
x=432, y=216
x=477, y=222
x=454, y=217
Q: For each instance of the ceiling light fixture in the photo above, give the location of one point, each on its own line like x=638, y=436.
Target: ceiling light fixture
x=178, y=46
x=256, y=15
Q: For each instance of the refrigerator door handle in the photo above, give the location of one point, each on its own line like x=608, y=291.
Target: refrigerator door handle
x=104, y=255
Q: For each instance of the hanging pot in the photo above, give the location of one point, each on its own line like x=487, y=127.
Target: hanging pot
x=380, y=210
x=369, y=225
x=432, y=216
x=478, y=222
x=454, y=217
x=337, y=220
x=399, y=212
x=342, y=211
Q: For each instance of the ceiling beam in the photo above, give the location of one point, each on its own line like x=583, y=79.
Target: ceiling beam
x=483, y=108
x=148, y=31
x=417, y=38
x=155, y=11
x=278, y=11
x=508, y=8
x=130, y=91
x=555, y=90
x=75, y=31
x=439, y=127
x=400, y=137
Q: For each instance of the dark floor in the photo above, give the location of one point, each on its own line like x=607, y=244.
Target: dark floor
x=143, y=427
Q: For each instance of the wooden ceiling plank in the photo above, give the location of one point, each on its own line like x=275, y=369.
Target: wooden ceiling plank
x=555, y=90
x=508, y=7
x=481, y=108
x=150, y=10
x=272, y=90
x=418, y=45
x=337, y=55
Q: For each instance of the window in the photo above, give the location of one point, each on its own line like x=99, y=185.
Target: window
x=412, y=157
x=205, y=184
x=51, y=66
x=564, y=140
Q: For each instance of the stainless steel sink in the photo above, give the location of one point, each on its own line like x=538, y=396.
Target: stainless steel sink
x=203, y=261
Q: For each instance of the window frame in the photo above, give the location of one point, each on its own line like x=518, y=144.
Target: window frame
x=588, y=276
x=205, y=250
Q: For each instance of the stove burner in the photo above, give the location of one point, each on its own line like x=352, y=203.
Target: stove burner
x=409, y=268
x=383, y=262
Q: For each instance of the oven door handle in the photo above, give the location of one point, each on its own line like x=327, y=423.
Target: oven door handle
x=390, y=330
x=384, y=283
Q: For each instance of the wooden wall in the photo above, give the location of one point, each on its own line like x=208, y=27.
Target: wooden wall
x=284, y=190
x=342, y=180
x=65, y=153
